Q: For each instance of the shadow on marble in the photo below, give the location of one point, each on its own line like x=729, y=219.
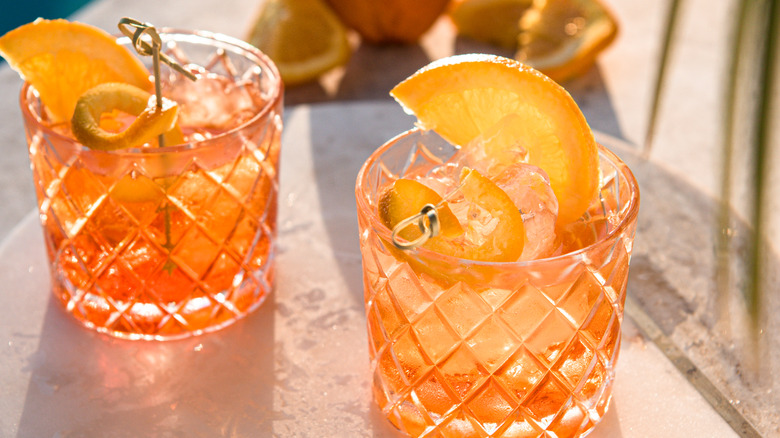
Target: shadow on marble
x=83, y=384
x=673, y=279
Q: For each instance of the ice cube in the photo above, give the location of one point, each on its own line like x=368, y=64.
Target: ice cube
x=529, y=188
x=499, y=155
x=443, y=179
x=477, y=222
x=497, y=147
x=213, y=102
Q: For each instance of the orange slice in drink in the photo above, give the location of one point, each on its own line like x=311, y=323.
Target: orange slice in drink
x=64, y=59
x=405, y=199
x=504, y=243
x=465, y=96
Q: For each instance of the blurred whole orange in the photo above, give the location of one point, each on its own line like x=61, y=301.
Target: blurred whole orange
x=389, y=21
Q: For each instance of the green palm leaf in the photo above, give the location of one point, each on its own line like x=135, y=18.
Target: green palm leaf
x=751, y=78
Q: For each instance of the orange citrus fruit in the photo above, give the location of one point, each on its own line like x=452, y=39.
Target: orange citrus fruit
x=560, y=38
x=406, y=198
x=389, y=21
x=464, y=96
x=304, y=38
x=491, y=21
x=563, y=37
x=504, y=243
x=64, y=59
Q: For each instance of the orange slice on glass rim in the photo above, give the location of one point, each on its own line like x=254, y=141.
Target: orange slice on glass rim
x=64, y=59
x=465, y=96
x=72, y=63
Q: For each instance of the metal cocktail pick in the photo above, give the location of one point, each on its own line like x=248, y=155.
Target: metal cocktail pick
x=429, y=227
x=427, y=221
x=135, y=30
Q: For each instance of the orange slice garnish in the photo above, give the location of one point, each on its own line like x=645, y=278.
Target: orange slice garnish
x=465, y=96
x=64, y=59
x=504, y=243
x=405, y=199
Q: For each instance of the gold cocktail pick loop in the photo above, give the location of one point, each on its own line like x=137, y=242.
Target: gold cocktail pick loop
x=135, y=30
x=429, y=228
x=427, y=221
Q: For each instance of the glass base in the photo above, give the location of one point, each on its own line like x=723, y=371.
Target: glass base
x=574, y=420
x=145, y=319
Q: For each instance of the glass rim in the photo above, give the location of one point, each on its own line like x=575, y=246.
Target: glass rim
x=244, y=49
x=632, y=211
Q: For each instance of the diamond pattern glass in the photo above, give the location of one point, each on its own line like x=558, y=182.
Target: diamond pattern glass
x=169, y=242
x=468, y=349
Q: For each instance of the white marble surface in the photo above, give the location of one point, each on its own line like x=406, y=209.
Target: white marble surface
x=298, y=367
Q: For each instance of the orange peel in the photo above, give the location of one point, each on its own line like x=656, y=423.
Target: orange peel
x=150, y=122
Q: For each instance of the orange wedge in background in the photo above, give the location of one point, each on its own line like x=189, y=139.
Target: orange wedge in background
x=563, y=38
x=304, y=38
x=64, y=59
x=465, y=96
x=560, y=38
x=491, y=21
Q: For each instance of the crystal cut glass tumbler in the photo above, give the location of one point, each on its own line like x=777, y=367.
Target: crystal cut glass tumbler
x=460, y=348
x=167, y=242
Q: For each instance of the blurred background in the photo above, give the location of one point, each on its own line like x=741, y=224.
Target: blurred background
x=17, y=13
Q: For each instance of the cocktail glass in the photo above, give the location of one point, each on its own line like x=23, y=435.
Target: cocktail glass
x=165, y=243
x=460, y=348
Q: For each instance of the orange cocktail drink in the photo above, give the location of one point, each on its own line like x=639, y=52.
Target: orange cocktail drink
x=163, y=242
x=488, y=314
